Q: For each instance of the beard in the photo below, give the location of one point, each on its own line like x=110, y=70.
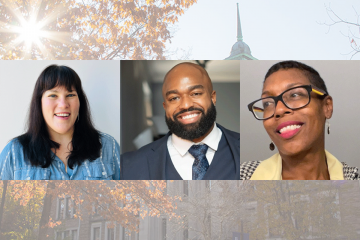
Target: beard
x=193, y=130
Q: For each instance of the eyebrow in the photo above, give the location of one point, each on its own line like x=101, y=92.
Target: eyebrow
x=287, y=87
x=189, y=88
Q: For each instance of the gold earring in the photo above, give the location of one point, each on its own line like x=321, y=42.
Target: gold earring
x=272, y=146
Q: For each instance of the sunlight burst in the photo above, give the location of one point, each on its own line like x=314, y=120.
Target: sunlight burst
x=31, y=32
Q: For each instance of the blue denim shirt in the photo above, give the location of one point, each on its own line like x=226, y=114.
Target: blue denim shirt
x=106, y=167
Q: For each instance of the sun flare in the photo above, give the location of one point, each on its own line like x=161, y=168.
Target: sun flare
x=31, y=32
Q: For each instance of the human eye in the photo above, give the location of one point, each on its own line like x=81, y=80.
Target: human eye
x=52, y=96
x=267, y=103
x=197, y=94
x=171, y=99
x=71, y=95
x=298, y=93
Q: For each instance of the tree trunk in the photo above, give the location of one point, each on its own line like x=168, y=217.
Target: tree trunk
x=3, y=197
x=45, y=215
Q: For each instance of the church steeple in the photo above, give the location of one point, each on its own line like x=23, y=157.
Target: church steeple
x=240, y=50
x=239, y=32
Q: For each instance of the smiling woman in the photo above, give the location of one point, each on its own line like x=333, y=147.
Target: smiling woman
x=295, y=107
x=61, y=142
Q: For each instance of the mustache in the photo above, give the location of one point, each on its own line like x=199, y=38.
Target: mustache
x=188, y=110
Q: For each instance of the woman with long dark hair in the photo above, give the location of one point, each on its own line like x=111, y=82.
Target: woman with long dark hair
x=61, y=142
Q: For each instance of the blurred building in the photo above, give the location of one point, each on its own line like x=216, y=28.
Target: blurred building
x=240, y=50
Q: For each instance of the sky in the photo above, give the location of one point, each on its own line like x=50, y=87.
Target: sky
x=276, y=29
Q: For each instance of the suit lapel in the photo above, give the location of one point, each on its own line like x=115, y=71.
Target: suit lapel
x=234, y=144
x=157, y=159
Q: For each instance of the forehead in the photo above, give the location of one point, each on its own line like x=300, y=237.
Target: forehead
x=60, y=89
x=282, y=80
x=184, y=76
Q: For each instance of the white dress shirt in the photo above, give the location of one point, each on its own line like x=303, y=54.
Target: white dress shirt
x=183, y=160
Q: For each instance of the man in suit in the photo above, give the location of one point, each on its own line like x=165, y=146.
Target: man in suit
x=196, y=148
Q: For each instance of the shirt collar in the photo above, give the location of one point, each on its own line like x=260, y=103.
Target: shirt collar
x=271, y=168
x=183, y=145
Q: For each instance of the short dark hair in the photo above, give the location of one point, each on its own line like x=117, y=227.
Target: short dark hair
x=36, y=141
x=309, y=72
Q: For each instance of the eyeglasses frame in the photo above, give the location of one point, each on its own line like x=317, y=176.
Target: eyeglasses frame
x=278, y=98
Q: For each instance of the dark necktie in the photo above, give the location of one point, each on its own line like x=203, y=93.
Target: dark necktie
x=201, y=164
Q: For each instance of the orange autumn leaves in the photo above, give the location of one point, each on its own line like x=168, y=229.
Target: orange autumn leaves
x=93, y=29
x=124, y=202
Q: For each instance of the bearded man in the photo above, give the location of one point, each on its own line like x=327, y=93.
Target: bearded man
x=196, y=148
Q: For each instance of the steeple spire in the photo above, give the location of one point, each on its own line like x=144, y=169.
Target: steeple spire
x=239, y=32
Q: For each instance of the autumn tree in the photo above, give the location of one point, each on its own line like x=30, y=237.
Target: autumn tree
x=123, y=202
x=88, y=29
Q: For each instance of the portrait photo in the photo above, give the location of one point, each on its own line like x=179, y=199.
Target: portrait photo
x=188, y=100
x=306, y=112
x=60, y=110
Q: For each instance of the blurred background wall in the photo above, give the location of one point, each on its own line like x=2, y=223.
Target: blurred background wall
x=143, y=116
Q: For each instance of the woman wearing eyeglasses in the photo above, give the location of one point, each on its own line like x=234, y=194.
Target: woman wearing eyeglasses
x=295, y=107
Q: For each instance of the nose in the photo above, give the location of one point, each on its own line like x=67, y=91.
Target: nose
x=185, y=103
x=63, y=103
x=281, y=110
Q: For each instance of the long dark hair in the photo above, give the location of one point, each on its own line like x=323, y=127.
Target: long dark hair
x=36, y=141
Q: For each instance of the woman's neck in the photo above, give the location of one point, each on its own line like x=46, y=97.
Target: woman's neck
x=65, y=145
x=310, y=165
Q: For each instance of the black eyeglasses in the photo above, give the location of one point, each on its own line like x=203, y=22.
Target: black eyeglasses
x=293, y=98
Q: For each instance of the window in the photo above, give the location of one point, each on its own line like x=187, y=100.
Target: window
x=96, y=231
x=61, y=208
x=69, y=208
x=74, y=234
x=65, y=208
x=110, y=231
x=58, y=236
x=67, y=235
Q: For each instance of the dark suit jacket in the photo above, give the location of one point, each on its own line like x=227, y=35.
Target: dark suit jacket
x=149, y=162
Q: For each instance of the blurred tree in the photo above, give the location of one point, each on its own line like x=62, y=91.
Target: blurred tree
x=353, y=30
x=123, y=202
x=210, y=210
x=87, y=29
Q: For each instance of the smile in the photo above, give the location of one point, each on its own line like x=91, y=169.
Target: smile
x=190, y=116
x=289, y=129
x=62, y=114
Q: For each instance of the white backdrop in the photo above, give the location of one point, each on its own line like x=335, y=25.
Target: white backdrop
x=100, y=80
x=342, y=79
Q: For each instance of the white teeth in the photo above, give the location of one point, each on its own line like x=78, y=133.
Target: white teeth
x=288, y=128
x=62, y=114
x=190, y=116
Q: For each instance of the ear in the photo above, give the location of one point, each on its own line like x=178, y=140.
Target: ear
x=164, y=105
x=328, y=107
x=213, y=97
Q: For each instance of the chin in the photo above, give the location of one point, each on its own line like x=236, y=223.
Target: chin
x=292, y=149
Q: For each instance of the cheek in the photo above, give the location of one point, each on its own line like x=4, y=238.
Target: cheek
x=75, y=104
x=267, y=126
x=46, y=106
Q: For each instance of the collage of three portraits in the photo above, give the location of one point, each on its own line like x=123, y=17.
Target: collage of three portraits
x=179, y=120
